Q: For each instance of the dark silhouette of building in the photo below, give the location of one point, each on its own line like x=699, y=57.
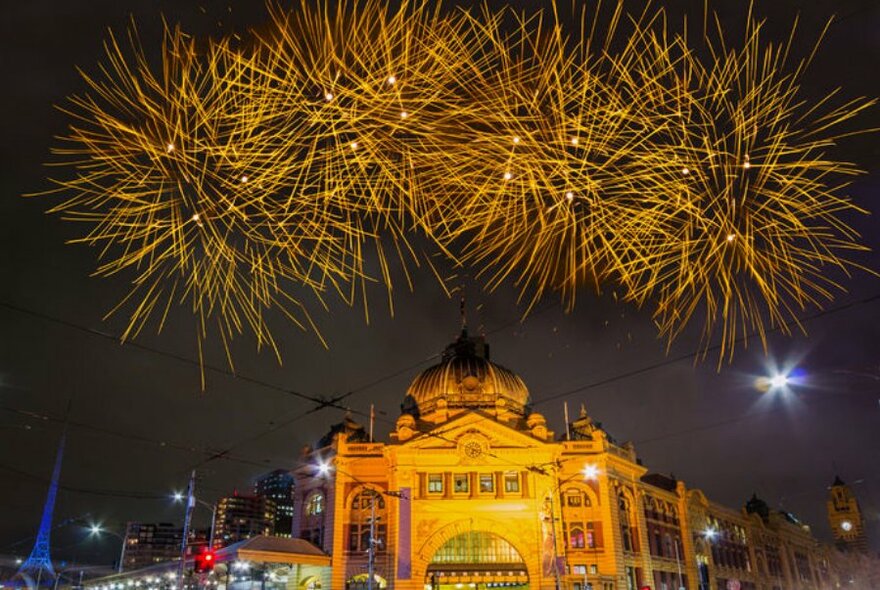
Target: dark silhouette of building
x=151, y=543
x=241, y=517
x=278, y=486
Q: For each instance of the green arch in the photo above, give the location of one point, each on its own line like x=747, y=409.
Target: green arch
x=477, y=547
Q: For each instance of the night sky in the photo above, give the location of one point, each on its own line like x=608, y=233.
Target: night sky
x=712, y=429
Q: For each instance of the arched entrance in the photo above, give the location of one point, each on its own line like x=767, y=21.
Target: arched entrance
x=477, y=560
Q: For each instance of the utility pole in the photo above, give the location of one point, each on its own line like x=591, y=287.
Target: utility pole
x=678, y=564
x=553, y=535
x=190, y=504
x=371, y=555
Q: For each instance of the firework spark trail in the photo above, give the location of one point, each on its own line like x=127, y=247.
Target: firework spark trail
x=561, y=153
x=763, y=231
x=554, y=181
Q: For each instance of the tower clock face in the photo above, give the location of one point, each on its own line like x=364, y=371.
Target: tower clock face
x=846, y=526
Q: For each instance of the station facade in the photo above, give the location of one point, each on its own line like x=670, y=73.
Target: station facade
x=473, y=490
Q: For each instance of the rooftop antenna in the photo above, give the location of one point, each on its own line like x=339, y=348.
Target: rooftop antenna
x=463, y=310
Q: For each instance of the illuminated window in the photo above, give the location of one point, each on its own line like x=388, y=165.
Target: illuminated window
x=435, y=483
x=574, y=499
x=477, y=547
x=364, y=506
x=511, y=481
x=487, y=483
x=576, y=536
x=315, y=504
x=460, y=483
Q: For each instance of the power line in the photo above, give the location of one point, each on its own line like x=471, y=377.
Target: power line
x=694, y=354
x=90, y=491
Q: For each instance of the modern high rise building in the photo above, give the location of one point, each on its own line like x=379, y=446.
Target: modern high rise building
x=239, y=517
x=278, y=486
x=151, y=543
x=845, y=518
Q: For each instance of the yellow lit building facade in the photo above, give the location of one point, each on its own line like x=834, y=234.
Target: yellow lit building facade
x=472, y=490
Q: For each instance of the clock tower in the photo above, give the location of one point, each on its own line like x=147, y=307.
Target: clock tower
x=845, y=518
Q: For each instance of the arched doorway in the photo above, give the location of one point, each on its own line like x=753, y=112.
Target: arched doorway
x=477, y=560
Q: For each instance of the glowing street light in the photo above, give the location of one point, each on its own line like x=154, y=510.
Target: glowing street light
x=710, y=533
x=324, y=468
x=779, y=381
x=591, y=472
x=95, y=530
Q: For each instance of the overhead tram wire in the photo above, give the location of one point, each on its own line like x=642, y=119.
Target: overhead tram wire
x=320, y=402
x=161, y=444
x=695, y=354
x=164, y=353
x=131, y=495
x=225, y=454
x=335, y=400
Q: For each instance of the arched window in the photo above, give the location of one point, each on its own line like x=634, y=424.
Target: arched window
x=580, y=520
x=363, y=505
x=315, y=504
x=576, y=537
x=477, y=547
x=627, y=529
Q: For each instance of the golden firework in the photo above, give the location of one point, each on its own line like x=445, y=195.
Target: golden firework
x=549, y=177
x=559, y=152
x=762, y=231
x=168, y=192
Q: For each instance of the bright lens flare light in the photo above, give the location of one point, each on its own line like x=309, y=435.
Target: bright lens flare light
x=778, y=381
x=591, y=472
x=95, y=529
x=324, y=468
x=710, y=533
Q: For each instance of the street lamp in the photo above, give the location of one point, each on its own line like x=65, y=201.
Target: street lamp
x=590, y=472
x=95, y=530
x=178, y=497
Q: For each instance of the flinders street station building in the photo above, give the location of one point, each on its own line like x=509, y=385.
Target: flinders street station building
x=473, y=490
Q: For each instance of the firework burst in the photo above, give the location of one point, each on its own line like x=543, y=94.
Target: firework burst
x=761, y=232
x=243, y=177
x=166, y=190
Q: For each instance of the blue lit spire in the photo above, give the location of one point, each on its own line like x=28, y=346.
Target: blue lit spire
x=38, y=566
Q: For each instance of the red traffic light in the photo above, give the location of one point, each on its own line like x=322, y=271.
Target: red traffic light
x=204, y=561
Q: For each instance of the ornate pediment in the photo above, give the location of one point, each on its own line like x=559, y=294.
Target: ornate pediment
x=473, y=434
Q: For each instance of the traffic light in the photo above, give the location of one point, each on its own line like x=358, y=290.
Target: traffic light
x=204, y=561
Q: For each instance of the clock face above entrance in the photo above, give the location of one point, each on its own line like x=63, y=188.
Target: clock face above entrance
x=473, y=448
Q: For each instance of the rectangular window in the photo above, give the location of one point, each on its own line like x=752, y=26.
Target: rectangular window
x=487, y=483
x=511, y=481
x=435, y=483
x=579, y=569
x=461, y=483
x=573, y=499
